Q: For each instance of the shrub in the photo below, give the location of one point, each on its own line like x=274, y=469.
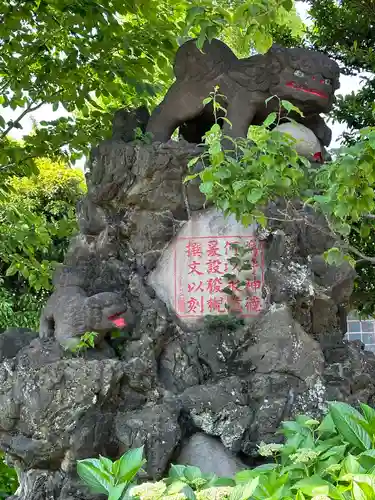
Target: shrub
x=331, y=459
x=8, y=479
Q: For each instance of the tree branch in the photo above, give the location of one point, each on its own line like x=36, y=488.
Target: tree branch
x=29, y=109
x=358, y=254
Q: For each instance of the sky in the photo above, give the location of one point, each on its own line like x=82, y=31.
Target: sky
x=348, y=85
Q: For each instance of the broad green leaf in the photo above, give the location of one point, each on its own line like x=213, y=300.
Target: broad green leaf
x=271, y=118
x=130, y=464
x=314, y=485
x=334, y=256
x=350, y=465
x=89, y=470
x=368, y=412
x=244, y=491
x=192, y=473
x=188, y=492
x=343, y=417
x=116, y=492
x=193, y=161
x=206, y=187
x=290, y=107
x=327, y=425
x=107, y=464
x=367, y=459
x=255, y=195
x=177, y=471
x=222, y=481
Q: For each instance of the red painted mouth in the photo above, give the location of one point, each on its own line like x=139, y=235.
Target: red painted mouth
x=296, y=86
x=117, y=320
x=318, y=157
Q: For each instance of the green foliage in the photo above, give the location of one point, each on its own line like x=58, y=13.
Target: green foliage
x=344, y=30
x=86, y=341
x=243, y=178
x=20, y=310
x=8, y=479
x=111, y=478
x=37, y=218
x=36, y=221
x=244, y=25
x=253, y=172
x=88, y=58
x=332, y=459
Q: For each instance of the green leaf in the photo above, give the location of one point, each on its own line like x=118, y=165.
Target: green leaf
x=192, y=473
x=222, y=481
x=130, y=464
x=350, y=465
x=288, y=4
x=207, y=100
x=368, y=412
x=334, y=256
x=177, y=471
x=215, y=129
x=116, y=492
x=271, y=118
x=193, y=161
x=290, y=107
x=255, y=195
x=343, y=416
x=188, y=492
x=244, y=491
x=106, y=462
x=91, y=473
x=367, y=459
x=312, y=486
x=206, y=187
x=237, y=185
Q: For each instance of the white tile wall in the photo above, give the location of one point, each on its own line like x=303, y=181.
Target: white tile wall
x=363, y=330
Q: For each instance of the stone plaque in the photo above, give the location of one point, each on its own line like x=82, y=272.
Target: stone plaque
x=195, y=268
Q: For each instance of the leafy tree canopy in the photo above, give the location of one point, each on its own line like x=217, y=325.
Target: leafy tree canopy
x=92, y=56
x=37, y=218
x=345, y=30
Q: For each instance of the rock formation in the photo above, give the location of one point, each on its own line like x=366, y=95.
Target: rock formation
x=182, y=369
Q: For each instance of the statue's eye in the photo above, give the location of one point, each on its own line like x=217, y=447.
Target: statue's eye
x=327, y=81
x=299, y=73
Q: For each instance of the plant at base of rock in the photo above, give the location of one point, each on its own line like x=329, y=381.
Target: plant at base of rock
x=85, y=341
x=114, y=479
x=188, y=480
x=333, y=459
x=8, y=479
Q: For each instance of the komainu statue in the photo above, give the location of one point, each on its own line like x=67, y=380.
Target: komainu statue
x=304, y=77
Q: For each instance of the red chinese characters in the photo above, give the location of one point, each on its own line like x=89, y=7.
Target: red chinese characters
x=194, y=249
x=201, y=264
